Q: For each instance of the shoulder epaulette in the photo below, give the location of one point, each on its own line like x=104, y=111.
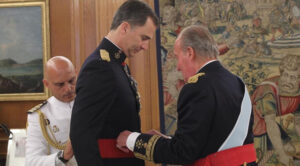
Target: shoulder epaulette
x=194, y=78
x=37, y=107
x=104, y=55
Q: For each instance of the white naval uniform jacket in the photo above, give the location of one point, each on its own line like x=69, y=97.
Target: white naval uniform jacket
x=38, y=151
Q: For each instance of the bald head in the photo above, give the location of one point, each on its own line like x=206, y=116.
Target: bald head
x=60, y=78
x=57, y=64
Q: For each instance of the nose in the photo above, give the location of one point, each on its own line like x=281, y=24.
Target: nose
x=177, y=67
x=288, y=79
x=68, y=87
x=145, y=45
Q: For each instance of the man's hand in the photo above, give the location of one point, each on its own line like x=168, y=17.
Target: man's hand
x=155, y=132
x=68, y=151
x=121, y=141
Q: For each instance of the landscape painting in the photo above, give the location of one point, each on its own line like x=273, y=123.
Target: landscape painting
x=24, y=49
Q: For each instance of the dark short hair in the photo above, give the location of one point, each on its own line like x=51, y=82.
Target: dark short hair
x=134, y=12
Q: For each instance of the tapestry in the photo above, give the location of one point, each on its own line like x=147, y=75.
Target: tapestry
x=263, y=37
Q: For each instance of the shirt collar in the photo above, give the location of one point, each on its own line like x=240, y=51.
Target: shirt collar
x=115, y=53
x=113, y=43
x=58, y=102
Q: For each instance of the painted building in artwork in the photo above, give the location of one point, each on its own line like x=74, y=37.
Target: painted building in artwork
x=263, y=7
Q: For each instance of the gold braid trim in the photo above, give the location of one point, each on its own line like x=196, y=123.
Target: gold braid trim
x=149, y=149
x=153, y=143
x=43, y=125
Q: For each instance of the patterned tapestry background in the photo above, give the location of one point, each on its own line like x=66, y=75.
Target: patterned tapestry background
x=264, y=41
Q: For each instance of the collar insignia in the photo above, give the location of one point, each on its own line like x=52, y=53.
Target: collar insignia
x=104, y=55
x=118, y=54
x=194, y=78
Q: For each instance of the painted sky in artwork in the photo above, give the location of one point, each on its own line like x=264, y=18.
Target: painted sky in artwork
x=21, y=33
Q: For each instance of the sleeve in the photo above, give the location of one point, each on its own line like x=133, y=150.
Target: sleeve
x=195, y=115
x=36, y=145
x=71, y=162
x=95, y=96
x=267, y=104
x=264, y=103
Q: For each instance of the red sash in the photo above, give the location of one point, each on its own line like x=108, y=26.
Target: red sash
x=229, y=157
x=108, y=149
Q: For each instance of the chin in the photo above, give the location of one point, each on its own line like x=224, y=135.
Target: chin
x=69, y=99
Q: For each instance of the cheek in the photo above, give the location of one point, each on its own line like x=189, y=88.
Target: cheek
x=282, y=79
x=133, y=44
x=73, y=87
x=179, y=63
x=184, y=62
x=295, y=84
x=134, y=40
x=58, y=91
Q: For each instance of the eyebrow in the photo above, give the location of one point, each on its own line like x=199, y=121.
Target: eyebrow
x=71, y=79
x=145, y=37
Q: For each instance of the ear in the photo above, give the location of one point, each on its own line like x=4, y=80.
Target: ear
x=124, y=27
x=46, y=83
x=191, y=53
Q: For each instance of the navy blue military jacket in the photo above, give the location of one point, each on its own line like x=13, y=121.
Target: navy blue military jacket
x=208, y=109
x=106, y=104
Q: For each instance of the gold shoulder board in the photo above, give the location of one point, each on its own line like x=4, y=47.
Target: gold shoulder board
x=37, y=107
x=104, y=55
x=194, y=78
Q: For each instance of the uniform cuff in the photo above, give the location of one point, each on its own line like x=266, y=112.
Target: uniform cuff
x=57, y=161
x=130, y=142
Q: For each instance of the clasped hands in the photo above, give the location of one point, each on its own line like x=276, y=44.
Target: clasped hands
x=68, y=151
x=122, y=138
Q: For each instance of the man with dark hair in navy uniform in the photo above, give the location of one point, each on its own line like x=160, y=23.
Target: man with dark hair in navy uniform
x=107, y=100
x=214, y=112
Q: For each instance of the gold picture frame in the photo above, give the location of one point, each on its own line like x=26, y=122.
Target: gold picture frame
x=24, y=49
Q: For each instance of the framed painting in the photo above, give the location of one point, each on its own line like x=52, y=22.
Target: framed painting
x=24, y=49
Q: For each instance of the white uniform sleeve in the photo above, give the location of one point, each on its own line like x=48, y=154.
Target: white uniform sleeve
x=71, y=162
x=36, y=145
